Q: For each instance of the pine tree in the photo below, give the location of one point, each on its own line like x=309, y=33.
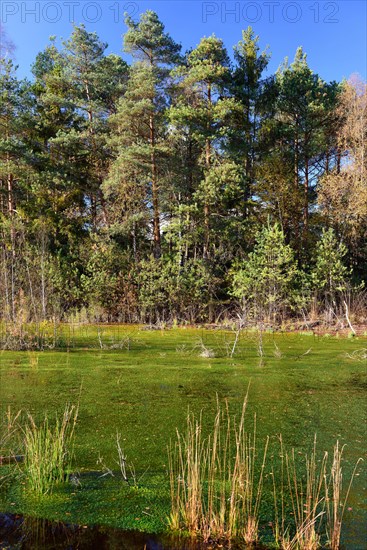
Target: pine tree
x=252, y=92
x=330, y=274
x=154, y=53
x=95, y=83
x=298, y=131
x=202, y=108
x=266, y=283
x=128, y=186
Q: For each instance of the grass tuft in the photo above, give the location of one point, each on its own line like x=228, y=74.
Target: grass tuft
x=49, y=450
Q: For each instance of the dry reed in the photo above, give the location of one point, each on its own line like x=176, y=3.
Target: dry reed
x=335, y=501
x=215, y=487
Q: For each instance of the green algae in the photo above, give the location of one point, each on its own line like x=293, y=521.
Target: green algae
x=141, y=383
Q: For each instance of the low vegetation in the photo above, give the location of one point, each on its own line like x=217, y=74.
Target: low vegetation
x=48, y=450
x=217, y=483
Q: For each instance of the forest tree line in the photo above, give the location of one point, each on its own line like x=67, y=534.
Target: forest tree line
x=184, y=186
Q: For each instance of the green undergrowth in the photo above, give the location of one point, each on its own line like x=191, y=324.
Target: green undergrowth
x=141, y=383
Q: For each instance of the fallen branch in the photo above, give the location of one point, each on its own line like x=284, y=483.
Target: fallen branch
x=347, y=317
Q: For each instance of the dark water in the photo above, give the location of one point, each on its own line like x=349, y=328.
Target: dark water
x=25, y=533
x=18, y=532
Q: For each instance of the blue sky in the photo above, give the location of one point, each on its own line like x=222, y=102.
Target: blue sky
x=333, y=33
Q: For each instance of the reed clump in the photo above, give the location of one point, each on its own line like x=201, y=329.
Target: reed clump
x=216, y=485
x=309, y=500
x=216, y=488
x=335, y=499
x=302, y=488
x=49, y=450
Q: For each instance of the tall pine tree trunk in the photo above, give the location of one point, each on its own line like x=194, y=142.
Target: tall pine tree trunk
x=206, y=204
x=296, y=184
x=10, y=180
x=155, y=199
x=305, y=207
x=208, y=147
